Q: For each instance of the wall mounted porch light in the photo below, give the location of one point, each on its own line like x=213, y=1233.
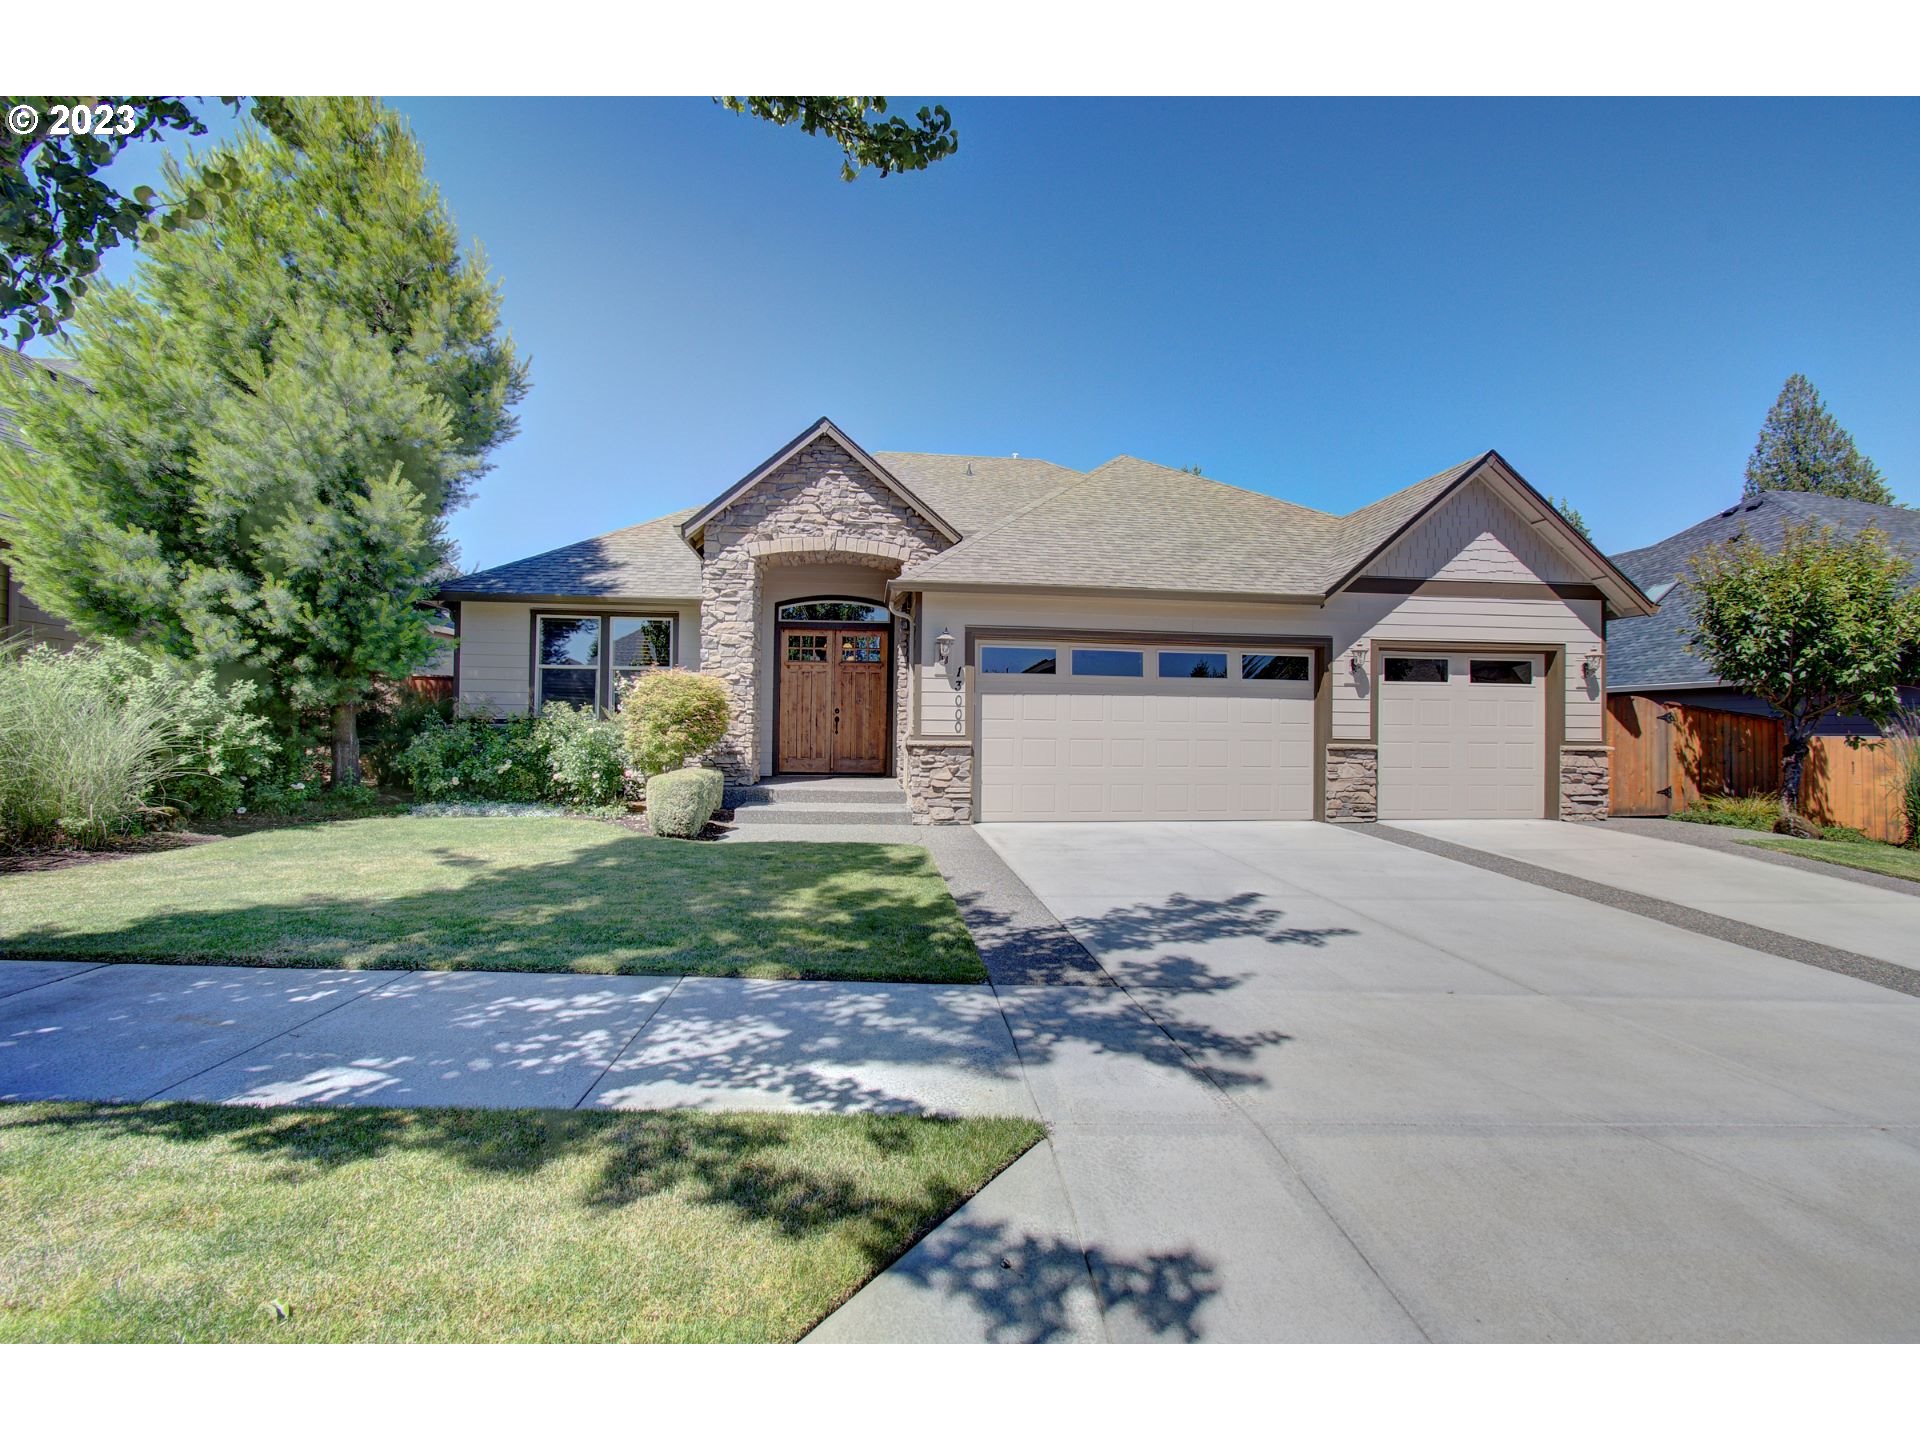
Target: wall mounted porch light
x=943, y=646
x=1590, y=665
x=1358, y=663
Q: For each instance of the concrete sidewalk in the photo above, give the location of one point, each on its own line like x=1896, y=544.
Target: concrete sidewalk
x=343, y=1037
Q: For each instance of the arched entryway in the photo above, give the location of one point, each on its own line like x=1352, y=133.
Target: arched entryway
x=833, y=686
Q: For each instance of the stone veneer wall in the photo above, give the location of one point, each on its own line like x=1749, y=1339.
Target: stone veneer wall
x=1583, y=781
x=1353, y=780
x=939, y=781
x=821, y=507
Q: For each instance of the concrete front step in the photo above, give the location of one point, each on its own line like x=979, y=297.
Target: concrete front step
x=783, y=792
x=789, y=812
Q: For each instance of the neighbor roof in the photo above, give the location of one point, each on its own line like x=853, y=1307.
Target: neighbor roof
x=1651, y=653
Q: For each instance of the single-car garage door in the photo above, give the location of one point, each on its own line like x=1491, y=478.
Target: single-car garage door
x=1462, y=735
x=1079, y=730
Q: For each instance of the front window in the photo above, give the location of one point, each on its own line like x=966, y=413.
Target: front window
x=587, y=659
x=570, y=659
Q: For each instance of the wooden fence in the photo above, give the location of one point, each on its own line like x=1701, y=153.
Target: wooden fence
x=1665, y=757
x=432, y=687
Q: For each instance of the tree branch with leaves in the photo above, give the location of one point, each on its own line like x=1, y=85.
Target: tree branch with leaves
x=1828, y=625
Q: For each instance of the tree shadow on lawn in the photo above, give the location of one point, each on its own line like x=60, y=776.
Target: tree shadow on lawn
x=1023, y=1286
x=626, y=905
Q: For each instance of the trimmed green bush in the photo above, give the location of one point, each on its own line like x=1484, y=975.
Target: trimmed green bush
x=672, y=716
x=1905, y=740
x=681, y=802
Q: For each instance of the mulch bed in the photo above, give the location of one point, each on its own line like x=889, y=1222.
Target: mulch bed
x=28, y=862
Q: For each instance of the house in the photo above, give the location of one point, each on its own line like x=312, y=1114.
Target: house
x=1015, y=640
x=21, y=619
x=1648, y=655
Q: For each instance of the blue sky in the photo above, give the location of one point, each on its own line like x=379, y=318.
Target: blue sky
x=1323, y=300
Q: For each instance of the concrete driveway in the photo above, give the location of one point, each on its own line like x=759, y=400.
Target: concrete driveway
x=1403, y=1097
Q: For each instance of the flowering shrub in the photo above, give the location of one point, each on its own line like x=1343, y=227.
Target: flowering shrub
x=477, y=758
x=586, y=757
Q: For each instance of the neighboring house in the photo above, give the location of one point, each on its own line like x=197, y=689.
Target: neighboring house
x=1015, y=640
x=1648, y=655
x=20, y=618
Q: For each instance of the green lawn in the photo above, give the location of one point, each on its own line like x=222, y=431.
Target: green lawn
x=504, y=894
x=203, y=1222
x=1855, y=854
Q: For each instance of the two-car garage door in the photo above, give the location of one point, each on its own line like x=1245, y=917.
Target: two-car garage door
x=1073, y=730
x=1090, y=730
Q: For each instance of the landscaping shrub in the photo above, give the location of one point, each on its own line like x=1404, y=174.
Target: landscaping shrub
x=672, y=716
x=391, y=722
x=476, y=758
x=1904, y=737
x=1846, y=834
x=77, y=762
x=223, y=751
x=681, y=802
x=586, y=757
x=102, y=739
x=1749, y=812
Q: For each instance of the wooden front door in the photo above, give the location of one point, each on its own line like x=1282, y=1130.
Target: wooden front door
x=833, y=701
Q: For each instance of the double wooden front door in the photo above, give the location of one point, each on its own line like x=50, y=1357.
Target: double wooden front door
x=833, y=700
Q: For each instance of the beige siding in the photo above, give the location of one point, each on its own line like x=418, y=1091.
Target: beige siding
x=1474, y=535
x=496, y=647
x=1382, y=619
x=496, y=652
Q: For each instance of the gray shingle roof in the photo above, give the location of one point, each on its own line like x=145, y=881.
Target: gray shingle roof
x=1650, y=653
x=972, y=492
x=1135, y=525
x=641, y=562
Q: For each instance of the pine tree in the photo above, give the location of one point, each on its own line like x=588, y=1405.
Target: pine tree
x=1802, y=448
x=280, y=410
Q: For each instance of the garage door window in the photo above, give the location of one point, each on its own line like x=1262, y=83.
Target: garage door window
x=1500, y=672
x=1127, y=664
x=1192, y=665
x=1402, y=670
x=1275, y=667
x=1015, y=660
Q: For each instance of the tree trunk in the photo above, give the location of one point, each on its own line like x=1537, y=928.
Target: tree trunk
x=1793, y=764
x=346, y=746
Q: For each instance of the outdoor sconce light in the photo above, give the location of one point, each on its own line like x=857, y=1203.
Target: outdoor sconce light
x=943, y=647
x=1590, y=665
x=1358, y=664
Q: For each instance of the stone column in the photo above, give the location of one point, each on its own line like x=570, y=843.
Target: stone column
x=1584, y=778
x=730, y=650
x=1353, y=780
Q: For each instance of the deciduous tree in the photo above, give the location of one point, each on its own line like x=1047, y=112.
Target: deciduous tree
x=1828, y=625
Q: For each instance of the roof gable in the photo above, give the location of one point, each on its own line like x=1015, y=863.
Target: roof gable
x=823, y=428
